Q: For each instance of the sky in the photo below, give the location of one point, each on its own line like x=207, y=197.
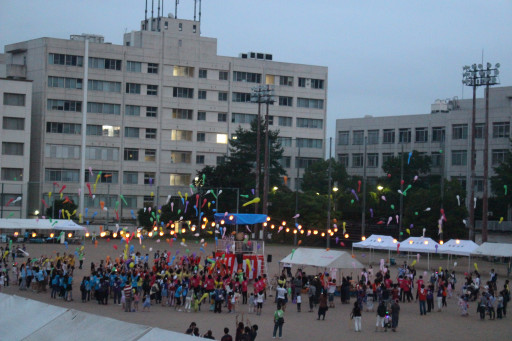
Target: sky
x=384, y=57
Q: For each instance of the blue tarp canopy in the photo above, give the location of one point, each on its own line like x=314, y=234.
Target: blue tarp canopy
x=240, y=218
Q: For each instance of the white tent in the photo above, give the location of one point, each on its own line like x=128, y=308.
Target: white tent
x=494, y=249
x=322, y=258
x=40, y=224
x=419, y=245
x=378, y=242
x=458, y=247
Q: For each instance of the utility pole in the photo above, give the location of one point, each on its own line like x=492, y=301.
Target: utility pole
x=296, y=198
x=363, y=213
x=401, y=195
x=268, y=99
x=329, y=190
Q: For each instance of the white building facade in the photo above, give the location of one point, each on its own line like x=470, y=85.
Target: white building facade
x=160, y=107
x=444, y=135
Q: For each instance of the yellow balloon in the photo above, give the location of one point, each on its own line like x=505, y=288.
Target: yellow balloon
x=132, y=265
x=183, y=240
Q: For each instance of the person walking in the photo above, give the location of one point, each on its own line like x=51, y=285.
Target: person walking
x=381, y=314
x=395, y=312
x=128, y=297
x=422, y=295
x=311, y=296
x=278, y=322
x=322, y=306
x=356, y=315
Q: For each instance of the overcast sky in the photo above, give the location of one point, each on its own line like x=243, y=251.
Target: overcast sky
x=384, y=57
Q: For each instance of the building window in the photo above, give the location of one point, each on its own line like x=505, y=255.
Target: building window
x=270, y=120
x=152, y=90
x=183, y=92
x=151, y=133
x=459, y=157
x=479, y=130
x=179, y=179
x=132, y=88
x=63, y=128
x=310, y=103
x=194, y=28
x=270, y=79
x=358, y=137
x=65, y=59
x=151, y=111
x=12, y=148
x=242, y=118
x=183, y=71
x=317, y=83
x=181, y=135
x=284, y=121
x=373, y=160
x=343, y=137
x=103, y=130
x=180, y=26
x=285, y=101
x=388, y=136
x=130, y=178
x=97, y=153
x=222, y=138
x=357, y=160
x=201, y=94
x=131, y=132
x=201, y=137
x=149, y=201
x=305, y=162
x=386, y=157
x=103, y=108
x=284, y=141
x=222, y=117
x=201, y=115
x=241, y=97
x=104, y=86
x=203, y=73
x=131, y=154
x=59, y=151
x=182, y=114
x=222, y=96
x=64, y=82
x=498, y=156
x=436, y=158
x=13, y=123
x=438, y=134
x=180, y=157
x=501, y=130
x=62, y=105
x=462, y=181
x=373, y=136
x=343, y=159
x=421, y=135
x=104, y=63
x=150, y=155
x=134, y=66
x=132, y=110
x=223, y=75
x=149, y=178
x=249, y=77
x=64, y=175
x=286, y=80
x=153, y=68
x=404, y=135
x=459, y=131
x=478, y=184
x=309, y=143
x=285, y=161
x=199, y=159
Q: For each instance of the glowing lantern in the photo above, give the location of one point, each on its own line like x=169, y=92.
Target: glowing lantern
x=70, y=235
x=346, y=235
x=363, y=238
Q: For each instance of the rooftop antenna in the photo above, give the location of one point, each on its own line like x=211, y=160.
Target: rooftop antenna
x=158, y=28
x=199, y=10
x=176, y=9
x=146, y=16
x=152, y=7
x=195, y=5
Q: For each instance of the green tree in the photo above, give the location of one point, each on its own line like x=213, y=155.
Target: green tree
x=316, y=176
x=501, y=182
x=62, y=205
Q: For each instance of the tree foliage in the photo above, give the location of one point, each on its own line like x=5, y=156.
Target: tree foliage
x=62, y=205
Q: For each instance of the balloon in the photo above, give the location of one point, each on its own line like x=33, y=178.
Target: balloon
x=131, y=265
x=392, y=206
x=114, y=246
x=296, y=216
x=358, y=186
x=458, y=199
x=413, y=263
x=383, y=198
x=355, y=194
x=476, y=266
x=506, y=188
x=389, y=175
x=501, y=220
x=371, y=212
x=293, y=252
x=408, y=231
x=409, y=159
x=299, y=242
x=454, y=264
x=415, y=178
x=253, y=201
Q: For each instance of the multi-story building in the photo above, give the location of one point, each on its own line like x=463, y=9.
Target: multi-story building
x=444, y=135
x=15, y=115
x=159, y=107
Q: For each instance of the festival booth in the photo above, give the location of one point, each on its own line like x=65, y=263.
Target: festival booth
x=419, y=245
x=17, y=227
x=50, y=322
x=240, y=253
x=496, y=250
x=377, y=242
x=321, y=258
x=458, y=247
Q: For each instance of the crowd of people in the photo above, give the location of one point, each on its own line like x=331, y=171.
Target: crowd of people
x=192, y=283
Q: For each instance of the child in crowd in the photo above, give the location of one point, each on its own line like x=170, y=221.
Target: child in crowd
x=147, y=303
x=299, y=301
x=251, y=303
x=136, y=299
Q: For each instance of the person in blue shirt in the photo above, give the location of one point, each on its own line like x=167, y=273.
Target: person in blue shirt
x=83, y=290
x=69, y=288
x=55, y=285
x=23, y=278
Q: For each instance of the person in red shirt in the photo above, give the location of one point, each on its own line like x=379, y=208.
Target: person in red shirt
x=401, y=285
x=407, y=289
x=422, y=295
x=244, y=290
x=419, y=283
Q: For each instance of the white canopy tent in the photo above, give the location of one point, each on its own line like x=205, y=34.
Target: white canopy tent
x=40, y=224
x=377, y=242
x=459, y=248
x=420, y=245
x=494, y=250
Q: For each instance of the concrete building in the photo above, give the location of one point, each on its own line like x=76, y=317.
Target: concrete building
x=15, y=115
x=159, y=107
x=444, y=134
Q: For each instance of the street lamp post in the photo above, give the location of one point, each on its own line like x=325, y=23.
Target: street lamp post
x=363, y=213
x=474, y=76
x=329, y=189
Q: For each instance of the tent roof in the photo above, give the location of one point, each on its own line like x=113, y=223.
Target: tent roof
x=419, y=244
x=40, y=224
x=376, y=241
x=458, y=247
x=494, y=249
x=240, y=218
x=322, y=258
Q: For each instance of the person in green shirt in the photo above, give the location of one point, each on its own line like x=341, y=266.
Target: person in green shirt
x=278, y=322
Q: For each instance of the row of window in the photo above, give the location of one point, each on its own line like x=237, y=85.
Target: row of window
x=459, y=132
x=13, y=99
x=183, y=71
x=13, y=123
x=458, y=158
